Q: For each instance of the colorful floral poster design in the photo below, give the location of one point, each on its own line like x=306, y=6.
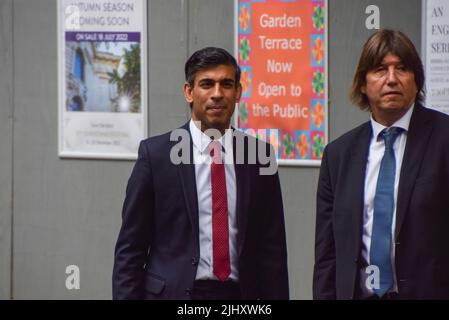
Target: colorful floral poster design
x=281, y=47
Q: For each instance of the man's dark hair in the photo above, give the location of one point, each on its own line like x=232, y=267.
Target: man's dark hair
x=208, y=58
x=378, y=45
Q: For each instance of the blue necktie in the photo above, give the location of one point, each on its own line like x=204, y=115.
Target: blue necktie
x=383, y=213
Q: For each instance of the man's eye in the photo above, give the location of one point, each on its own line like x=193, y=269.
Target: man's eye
x=228, y=85
x=206, y=84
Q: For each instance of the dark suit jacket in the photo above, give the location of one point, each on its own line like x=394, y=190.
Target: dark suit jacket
x=157, y=250
x=422, y=218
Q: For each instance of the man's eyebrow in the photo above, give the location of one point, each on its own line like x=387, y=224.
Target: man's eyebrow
x=227, y=80
x=383, y=64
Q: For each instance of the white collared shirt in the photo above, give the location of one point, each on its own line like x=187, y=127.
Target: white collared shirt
x=202, y=160
x=376, y=153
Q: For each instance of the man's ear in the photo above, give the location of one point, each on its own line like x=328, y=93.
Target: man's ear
x=239, y=92
x=188, y=93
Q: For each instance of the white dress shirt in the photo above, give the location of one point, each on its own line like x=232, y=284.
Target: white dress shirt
x=376, y=153
x=202, y=161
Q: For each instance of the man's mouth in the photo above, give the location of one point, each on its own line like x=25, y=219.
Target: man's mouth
x=215, y=107
x=392, y=93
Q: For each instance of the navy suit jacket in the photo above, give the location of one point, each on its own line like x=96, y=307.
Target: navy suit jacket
x=157, y=250
x=422, y=219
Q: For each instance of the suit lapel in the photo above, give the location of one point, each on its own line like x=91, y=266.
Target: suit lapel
x=357, y=163
x=242, y=193
x=188, y=183
x=417, y=138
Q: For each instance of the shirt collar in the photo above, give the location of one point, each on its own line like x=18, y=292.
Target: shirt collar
x=403, y=122
x=202, y=141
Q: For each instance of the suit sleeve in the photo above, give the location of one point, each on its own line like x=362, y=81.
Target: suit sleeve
x=134, y=237
x=272, y=246
x=324, y=274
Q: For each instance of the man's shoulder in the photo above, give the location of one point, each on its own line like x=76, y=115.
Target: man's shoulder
x=349, y=138
x=248, y=143
x=157, y=138
x=166, y=139
x=237, y=133
x=436, y=116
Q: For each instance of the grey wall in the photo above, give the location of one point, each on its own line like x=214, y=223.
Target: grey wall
x=6, y=112
x=64, y=212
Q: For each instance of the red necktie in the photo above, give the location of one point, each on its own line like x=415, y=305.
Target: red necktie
x=220, y=231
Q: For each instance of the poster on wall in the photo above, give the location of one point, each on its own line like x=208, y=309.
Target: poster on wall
x=436, y=51
x=282, y=51
x=102, y=78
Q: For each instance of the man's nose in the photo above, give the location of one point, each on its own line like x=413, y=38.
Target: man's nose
x=218, y=92
x=391, y=76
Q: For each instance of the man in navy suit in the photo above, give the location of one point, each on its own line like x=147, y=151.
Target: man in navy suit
x=203, y=215
x=382, y=205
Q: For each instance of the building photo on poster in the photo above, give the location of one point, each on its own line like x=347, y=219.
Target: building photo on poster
x=102, y=78
x=282, y=51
